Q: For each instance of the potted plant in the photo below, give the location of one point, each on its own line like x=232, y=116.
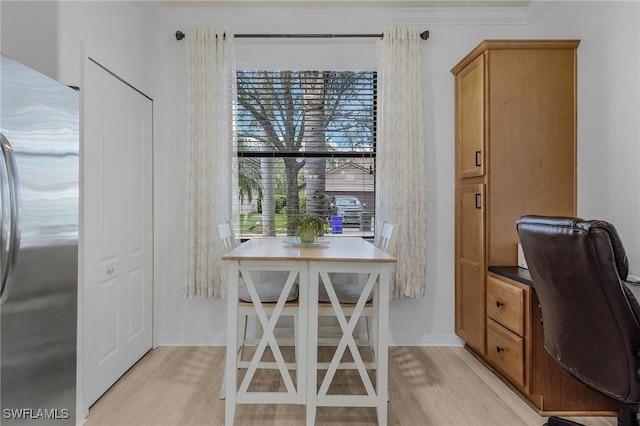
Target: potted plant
x=308, y=228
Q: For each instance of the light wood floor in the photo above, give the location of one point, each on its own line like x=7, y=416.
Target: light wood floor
x=180, y=386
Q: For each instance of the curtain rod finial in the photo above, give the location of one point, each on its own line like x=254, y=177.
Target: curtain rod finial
x=179, y=35
x=424, y=35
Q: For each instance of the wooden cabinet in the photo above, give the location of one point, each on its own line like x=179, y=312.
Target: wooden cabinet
x=470, y=121
x=507, y=337
x=471, y=267
x=515, y=147
x=516, y=119
x=506, y=351
x=515, y=349
x=506, y=304
x=515, y=125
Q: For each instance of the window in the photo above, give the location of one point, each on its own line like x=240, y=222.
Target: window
x=306, y=145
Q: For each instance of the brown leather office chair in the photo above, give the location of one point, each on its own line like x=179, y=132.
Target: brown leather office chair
x=591, y=317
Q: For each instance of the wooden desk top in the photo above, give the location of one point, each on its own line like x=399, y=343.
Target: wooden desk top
x=340, y=249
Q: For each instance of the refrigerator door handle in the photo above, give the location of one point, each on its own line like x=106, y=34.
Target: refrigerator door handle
x=11, y=217
x=5, y=216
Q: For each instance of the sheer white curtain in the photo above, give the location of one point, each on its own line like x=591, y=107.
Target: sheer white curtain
x=208, y=157
x=401, y=177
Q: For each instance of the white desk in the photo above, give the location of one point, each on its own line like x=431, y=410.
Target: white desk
x=312, y=267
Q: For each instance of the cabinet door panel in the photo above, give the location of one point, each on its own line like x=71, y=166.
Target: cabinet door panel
x=470, y=265
x=470, y=127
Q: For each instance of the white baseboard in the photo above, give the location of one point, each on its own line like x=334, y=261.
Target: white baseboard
x=181, y=340
x=81, y=415
x=434, y=340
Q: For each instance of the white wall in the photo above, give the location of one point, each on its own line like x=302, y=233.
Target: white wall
x=29, y=32
x=121, y=35
x=609, y=183
x=125, y=35
x=608, y=112
x=48, y=36
x=51, y=37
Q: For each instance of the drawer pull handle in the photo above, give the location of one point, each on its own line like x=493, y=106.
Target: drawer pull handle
x=499, y=304
x=499, y=349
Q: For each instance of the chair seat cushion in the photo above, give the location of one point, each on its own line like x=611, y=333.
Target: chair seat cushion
x=347, y=293
x=268, y=292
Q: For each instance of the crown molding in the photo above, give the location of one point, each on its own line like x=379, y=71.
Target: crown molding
x=483, y=15
x=347, y=3
x=417, y=12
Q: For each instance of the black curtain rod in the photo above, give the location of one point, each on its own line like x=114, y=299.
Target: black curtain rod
x=423, y=35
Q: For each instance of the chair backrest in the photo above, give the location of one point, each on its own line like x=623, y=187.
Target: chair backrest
x=227, y=236
x=590, y=317
x=386, y=238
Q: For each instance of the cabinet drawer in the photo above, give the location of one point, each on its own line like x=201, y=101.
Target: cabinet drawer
x=505, y=304
x=506, y=351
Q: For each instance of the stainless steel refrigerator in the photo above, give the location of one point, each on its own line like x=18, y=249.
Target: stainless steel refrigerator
x=39, y=196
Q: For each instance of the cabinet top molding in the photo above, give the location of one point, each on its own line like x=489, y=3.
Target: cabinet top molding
x=513, y=44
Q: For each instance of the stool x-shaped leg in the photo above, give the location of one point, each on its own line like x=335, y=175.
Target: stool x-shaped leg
x=347, y=336
x=268, y=337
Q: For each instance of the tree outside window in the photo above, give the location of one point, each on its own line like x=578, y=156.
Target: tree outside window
x=295, y=128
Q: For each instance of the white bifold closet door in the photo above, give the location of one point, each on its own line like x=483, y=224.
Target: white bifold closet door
x=118, y=240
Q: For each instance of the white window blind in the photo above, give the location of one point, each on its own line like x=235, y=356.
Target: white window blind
x=306, y=145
